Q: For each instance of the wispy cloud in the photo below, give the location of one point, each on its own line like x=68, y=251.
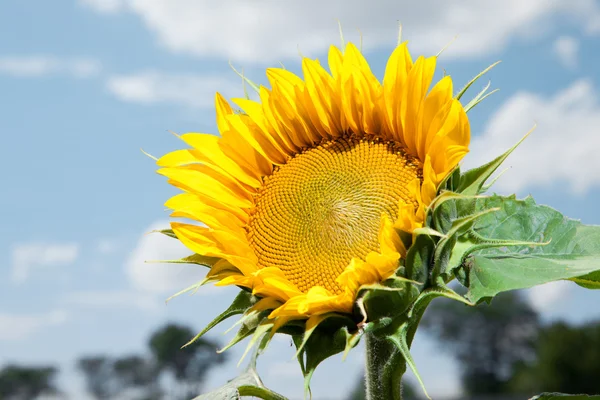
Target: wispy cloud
x=15, y=327
x=27, y=257
x=153, y=87
x=107, y=246
x=563, y=149
x=105, y=6
x=113, y=299
x=566, y=48
x=37, y=66
x=273, y=30
x=157, y=277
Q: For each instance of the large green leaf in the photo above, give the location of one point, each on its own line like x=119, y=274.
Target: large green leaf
x=496, y=259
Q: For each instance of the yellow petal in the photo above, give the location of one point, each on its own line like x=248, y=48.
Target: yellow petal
x=254, y=136
x=200, y=182
x=335, y=60
x=439, y=96
x=207, y=150
x=287, y=101
x=233, y=144
x=413, y=96
x=267, y=303
x=205, y=242
x=187, y=205
x=178, y=158
x=394, y=81
x=269, y=128
x=323, y=107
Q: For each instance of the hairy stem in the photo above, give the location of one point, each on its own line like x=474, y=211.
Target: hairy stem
x=383, y=370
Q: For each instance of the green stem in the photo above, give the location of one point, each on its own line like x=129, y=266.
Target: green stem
x=383, y=370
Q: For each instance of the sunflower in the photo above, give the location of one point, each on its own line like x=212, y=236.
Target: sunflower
x=305, y=195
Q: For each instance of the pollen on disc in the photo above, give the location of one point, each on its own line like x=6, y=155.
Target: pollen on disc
x=324, y=207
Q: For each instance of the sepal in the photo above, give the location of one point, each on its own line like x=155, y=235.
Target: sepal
x=472, y=182
x=242, y=302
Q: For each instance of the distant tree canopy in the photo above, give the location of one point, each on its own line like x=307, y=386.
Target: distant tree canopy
x=108, y=377
x=25, y=383
x=190, y=363
x=567, y=360
x=140, y=376
x=487, y=340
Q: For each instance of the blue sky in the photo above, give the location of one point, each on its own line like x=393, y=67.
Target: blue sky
x=86, y=84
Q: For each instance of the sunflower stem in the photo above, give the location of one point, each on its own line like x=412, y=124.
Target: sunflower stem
x=383, y=370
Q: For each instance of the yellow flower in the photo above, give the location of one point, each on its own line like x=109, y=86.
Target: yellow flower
x=304, y=194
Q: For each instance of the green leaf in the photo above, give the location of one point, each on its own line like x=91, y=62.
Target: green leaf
x=589, y=281
x=562, y=396
x=246, y=384
x=260, y=392
x=229, y=391
x=572, y=249
x=240, y=304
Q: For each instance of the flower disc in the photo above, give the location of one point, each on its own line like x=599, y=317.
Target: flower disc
x=323, y=208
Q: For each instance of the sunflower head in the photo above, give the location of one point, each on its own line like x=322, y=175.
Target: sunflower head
x=310, y=197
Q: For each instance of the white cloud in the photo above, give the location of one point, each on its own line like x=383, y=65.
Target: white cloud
x=104, y=6
x=107, y=246
x=271, y=30
x=29, y=256
x=36, y=66
x=153, y=87
x=15, y=327
x=544, y=297
x=566, y=48
x=157, y=277
x=113, y=299
x=563, y=150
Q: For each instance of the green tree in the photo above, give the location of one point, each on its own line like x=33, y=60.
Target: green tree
x=487, y=340
x=189, y=365
x=136, y=373
x=24, y=383
x=567, y=360
x=99, y=376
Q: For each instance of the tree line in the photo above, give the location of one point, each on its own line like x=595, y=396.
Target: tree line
x=168, y=371
x=503, y=349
